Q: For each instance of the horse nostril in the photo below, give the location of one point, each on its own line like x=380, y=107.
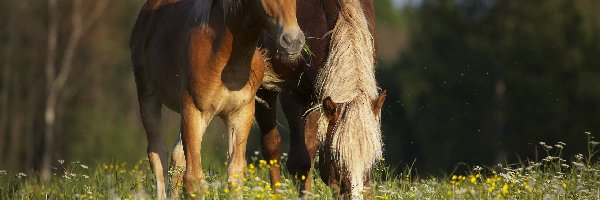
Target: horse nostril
x=292, y=42
x=302, y=39
x=285, y=41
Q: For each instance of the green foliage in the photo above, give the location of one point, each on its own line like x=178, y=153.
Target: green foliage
x=481, y=81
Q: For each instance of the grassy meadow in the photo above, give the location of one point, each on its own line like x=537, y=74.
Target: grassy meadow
x=553, y=177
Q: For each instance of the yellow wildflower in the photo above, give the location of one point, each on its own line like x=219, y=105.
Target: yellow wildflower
x=505, y=189
x=473, y=179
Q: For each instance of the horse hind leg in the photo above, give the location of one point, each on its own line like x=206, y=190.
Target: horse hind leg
x=177, y=168
x=270, y=138
x=157, y=149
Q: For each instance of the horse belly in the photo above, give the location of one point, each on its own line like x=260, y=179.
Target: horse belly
x=166, y=81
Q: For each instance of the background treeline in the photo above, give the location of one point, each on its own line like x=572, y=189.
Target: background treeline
x=479, y=82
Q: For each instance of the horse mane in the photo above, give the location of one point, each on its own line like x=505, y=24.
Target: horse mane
x=348, y=77
x=202, y=8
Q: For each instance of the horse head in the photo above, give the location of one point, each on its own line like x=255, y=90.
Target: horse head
x=352, y=142
x=279, y=19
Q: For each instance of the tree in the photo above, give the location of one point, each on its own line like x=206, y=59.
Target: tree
x=57, y=77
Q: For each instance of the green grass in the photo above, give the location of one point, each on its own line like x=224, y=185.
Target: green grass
x=550, y=178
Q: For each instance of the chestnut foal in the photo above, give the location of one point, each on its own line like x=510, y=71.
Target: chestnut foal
x=199, y=58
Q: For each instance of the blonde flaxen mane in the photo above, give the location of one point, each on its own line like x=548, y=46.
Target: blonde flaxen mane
x=348, y=77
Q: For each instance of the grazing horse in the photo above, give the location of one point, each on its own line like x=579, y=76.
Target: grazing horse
x=330, y=98
x=199, y=58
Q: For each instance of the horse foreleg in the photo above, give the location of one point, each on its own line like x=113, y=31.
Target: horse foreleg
x=194, y=124
x=303, y=145
x=177, y=168
x=157, y=149
x=238, y=126
x=270, y=138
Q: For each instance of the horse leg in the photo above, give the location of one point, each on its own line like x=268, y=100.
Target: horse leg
x=177, y=168
x=157, y=148
x=270, y=138
x=303, y=144
x=238, y=126
x=328, y=174
x=194, y=124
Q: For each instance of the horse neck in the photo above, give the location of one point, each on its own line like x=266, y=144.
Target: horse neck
x=243, y=25
x=243, y=20
x=349, y=68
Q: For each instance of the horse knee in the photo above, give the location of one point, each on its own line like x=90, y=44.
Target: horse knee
x=271, y=145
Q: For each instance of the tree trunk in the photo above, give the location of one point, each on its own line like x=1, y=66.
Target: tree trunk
x=49, y=112
x=56, y=79
x=6, y=74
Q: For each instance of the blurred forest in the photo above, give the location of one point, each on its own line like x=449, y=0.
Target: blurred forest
x=479, y=82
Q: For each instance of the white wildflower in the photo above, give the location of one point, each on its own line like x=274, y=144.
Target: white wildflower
x=21, y=174
x=84, y=166
x=61, y=161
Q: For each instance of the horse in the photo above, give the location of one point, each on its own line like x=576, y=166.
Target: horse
x=199, y=58
x=330, y=98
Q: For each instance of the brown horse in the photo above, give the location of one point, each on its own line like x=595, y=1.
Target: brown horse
x=330, y=98
x=199, y=58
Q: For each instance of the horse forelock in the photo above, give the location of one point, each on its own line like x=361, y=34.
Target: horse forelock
x=348, y=77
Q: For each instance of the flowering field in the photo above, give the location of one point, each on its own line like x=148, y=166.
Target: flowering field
x=550, y=178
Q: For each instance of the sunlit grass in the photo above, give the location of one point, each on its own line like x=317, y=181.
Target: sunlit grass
x=553, y=177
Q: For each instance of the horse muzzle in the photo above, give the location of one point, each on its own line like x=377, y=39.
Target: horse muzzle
x=291, y=43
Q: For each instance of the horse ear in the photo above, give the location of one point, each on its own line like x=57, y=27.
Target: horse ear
x=378, y=103
x=330, y=107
